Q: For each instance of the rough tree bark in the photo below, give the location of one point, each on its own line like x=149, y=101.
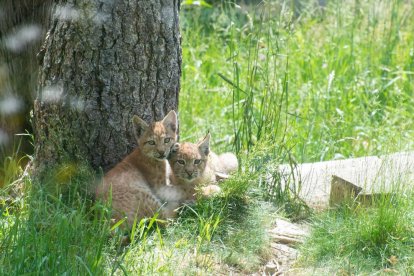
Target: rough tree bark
x=103, y=62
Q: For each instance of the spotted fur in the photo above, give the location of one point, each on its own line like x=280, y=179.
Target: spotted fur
x=133, y=184
x=195, y=165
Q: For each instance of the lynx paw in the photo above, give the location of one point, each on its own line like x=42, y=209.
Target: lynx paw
x=210, y=190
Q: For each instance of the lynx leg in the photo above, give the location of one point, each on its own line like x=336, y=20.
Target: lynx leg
x=136, y=205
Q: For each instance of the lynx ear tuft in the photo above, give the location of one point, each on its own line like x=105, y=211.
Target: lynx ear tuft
x=139, y=126
x=204, y=145
x=170, y=121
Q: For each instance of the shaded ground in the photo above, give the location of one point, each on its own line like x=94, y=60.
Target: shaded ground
x=285, y=237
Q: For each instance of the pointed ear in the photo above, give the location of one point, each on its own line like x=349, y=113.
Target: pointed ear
x=170, y=121
x=175, y=148
x=204, y=145
x=139, y=126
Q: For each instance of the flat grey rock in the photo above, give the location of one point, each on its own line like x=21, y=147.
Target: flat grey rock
x=373, y=174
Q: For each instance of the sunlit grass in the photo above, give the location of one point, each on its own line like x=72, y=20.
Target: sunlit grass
x=47, y=231
x=358, y=239
x=330, y=82
x=275, y=84
x=334, y=82
x=44, y=231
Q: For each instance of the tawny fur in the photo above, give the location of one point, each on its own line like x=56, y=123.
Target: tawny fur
x=135, y=183
x=195, y=166
x=228, y=162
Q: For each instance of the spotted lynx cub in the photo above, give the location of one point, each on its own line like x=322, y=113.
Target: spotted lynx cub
x=135, y=181
x=194, y=165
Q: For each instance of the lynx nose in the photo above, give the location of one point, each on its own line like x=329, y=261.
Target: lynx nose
x=189, y=173
x=161, y=154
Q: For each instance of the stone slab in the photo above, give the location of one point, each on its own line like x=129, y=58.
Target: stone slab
x=373, y=174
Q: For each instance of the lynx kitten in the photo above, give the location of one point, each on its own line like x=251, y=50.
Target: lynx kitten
x=194, y=165
x=133, y=183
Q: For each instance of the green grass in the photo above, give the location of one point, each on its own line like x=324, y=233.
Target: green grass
x=364, y=240
x=276, y=83
x=327, y=83
x=331, y=83
x=43, y=232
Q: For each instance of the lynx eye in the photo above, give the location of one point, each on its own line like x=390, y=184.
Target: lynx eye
x=151, y=142
x=167, y=140
x=181, y=162
x=197, y=161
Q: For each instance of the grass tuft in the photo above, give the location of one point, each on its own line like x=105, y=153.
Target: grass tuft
x=365, y=239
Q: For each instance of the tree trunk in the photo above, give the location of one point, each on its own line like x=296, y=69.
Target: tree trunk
x=103, y=62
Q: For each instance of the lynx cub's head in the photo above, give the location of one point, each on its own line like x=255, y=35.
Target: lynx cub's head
x=188, y=161
x=156, y=139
